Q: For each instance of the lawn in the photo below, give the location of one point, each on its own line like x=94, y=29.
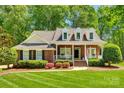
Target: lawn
x=68, y=79
x=119, y=64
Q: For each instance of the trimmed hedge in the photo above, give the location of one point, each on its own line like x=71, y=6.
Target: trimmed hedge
x=31, y=64
x=95, y=62
x=58, y=65
x=112, y=53
x=59, y=61
x=66, y=65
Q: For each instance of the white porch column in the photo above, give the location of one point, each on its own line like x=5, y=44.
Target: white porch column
x=56, y=51
x=85, y=51
x=102, y=52
x=73, y=54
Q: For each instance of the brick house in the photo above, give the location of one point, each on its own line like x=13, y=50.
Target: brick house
x=74, y=44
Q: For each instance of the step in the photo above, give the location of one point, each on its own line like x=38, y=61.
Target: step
x=80, y=63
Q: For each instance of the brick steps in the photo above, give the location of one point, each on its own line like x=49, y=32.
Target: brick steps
x=80, y=63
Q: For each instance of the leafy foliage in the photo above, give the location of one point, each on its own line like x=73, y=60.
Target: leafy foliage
x=95, y=62
x=112, y=53
x=31, y=64
x=111, y=24
x=7, y=56
x=6, y=39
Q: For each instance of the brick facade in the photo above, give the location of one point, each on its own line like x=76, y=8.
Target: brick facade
x=49, y=55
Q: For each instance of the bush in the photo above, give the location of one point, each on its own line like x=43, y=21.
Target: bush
x=31, y=64
x=95, y=62
x=65, y=64
x=7, y=56
x=58, y=65
x=70, y=62
x=49, y=65
x=112, y=53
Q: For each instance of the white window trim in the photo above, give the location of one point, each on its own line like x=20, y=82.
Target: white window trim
x=78, y=30
x=89, y=54
x=64, y=31
x=25, y=54
x=76, y=35
x=89, y=35
x=65, y=49
x=39, y=57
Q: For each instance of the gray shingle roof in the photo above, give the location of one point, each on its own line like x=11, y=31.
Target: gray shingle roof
x=44, y=38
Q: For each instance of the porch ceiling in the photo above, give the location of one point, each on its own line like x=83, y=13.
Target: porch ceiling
x=80, y=42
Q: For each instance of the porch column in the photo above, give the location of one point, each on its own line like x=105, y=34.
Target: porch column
x=102, y=52
x=56, y=51
x=73, y=54
x=85, y=51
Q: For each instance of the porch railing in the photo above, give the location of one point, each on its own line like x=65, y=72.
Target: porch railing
x=64, y=57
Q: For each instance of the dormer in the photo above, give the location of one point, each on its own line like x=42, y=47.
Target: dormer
x=65, y=34
x=91, y=34
x=78, y=34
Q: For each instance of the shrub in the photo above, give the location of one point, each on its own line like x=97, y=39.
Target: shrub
x=65, y=64
x=112, y=53
x=95, y=62
x=31, y=64
x=70, y=62
x=7, y=56
x=58, y=65
x=49, y=65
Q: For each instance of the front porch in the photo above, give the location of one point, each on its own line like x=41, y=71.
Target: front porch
x=78, y=54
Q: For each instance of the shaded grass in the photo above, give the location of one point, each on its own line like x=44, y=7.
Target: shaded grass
x=119, y=64
x=65, y=79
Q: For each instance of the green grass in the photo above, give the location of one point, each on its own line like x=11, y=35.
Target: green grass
x=68, y=79
x=119, y=64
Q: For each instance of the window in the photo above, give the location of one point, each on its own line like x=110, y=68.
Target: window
x=25, y=55
x=91, y=52
x=65, y=53
x=32, y=54
x=91, y=35
x=78, y=35
x=38, y=55
x=65, y=35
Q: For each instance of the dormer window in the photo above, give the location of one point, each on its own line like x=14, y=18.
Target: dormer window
x=78, y=34
x=91, y=36
x=65, y=35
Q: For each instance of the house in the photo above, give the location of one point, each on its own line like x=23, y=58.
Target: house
x=74, y=44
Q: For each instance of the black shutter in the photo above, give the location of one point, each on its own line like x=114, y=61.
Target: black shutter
x=34, y=54
x=21, y=55
x=30, y=54
x=43, y=54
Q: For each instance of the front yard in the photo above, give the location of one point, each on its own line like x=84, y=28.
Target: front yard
x=65, y=79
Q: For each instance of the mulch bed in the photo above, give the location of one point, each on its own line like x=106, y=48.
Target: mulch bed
x=106, y=68
x=14, y=70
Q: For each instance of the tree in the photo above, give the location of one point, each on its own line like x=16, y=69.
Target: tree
x=83, y=16
x=48, y=17
x=111, y=24
x=112, y=53
x=6, y=40
x=7, y=56
x=15, y=21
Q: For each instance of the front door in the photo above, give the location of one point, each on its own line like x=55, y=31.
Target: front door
x=77, y=52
